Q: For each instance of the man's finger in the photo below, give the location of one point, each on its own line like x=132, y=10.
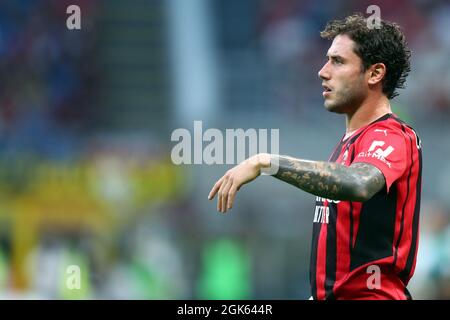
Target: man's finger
x=219, y=199
x=232, y=195
x=225, y=191
x=215, y=188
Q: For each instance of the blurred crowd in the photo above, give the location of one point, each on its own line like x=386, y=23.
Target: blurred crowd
x=73, y=192
x=48, y=78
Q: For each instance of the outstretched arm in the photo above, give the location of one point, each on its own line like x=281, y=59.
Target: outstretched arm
x=359, y=182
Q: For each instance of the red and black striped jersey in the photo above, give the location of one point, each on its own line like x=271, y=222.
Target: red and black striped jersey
x=367, y=250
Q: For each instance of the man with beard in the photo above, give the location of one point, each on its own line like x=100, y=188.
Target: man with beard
x=365, y=224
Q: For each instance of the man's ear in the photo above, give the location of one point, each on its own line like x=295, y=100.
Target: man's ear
x=377, y=72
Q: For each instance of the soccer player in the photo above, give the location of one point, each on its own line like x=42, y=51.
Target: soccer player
x=366, y=219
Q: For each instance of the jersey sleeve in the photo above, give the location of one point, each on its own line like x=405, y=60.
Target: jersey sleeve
x=385, y=149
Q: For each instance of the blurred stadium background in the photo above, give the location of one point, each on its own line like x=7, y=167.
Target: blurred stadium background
x=85, y=122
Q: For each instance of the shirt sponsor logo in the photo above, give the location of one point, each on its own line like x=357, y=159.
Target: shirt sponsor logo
x=322, y=213
x=320, y=199
x=379, y=153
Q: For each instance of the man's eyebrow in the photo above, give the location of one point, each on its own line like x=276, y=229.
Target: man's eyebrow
x=335, y=56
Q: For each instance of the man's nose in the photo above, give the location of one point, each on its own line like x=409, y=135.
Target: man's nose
x=324, y=73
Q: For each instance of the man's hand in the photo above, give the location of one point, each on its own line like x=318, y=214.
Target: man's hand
x=231, y=182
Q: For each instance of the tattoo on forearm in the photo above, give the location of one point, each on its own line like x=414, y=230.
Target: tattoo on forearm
x=330, y=180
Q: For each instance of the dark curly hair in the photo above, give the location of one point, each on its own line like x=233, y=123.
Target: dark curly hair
x=386, y=45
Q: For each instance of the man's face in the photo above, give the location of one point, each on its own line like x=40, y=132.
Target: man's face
x=345, y=86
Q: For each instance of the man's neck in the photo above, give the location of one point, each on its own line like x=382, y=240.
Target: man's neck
x=368, y=112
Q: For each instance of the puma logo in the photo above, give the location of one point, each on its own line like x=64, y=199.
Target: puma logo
x=379, y=130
